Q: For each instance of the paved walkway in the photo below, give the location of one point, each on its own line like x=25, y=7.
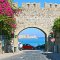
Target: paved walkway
x=28, y=55
x=6, y=55
x=49, y=55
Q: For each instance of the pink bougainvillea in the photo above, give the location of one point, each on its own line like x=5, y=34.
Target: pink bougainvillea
x=2, y=1
x=11, y=22
x=13, y=25
x=5, y=8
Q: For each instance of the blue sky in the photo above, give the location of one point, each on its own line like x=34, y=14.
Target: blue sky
x=38, y=1
x=32, y=31
x=33, y=42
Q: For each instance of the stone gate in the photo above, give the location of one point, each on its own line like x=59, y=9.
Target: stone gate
x=31, y=15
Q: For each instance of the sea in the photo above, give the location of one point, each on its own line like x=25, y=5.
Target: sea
x=32, y=41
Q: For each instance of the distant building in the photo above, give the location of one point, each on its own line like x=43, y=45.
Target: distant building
x=27, y=36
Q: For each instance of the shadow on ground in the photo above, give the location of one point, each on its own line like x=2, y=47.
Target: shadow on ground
x=53, y=56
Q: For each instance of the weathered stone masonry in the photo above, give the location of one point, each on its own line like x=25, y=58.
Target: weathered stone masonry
x=34, y=16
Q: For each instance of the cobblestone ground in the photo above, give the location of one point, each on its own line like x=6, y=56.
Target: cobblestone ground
x=28, y=55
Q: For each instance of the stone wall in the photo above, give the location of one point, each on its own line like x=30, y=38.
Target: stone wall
x=33, y=16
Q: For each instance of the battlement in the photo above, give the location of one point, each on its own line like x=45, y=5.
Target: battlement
x=51, y=5
x=31, y=5
x=37, y=5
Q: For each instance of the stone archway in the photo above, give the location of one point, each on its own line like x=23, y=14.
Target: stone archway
x=36, y=17
x=40, y=30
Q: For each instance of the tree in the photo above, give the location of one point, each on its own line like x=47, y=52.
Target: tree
x=7, y=23
x=6, y=16
x=56, y=29
x=7, y=20
x=56, y=26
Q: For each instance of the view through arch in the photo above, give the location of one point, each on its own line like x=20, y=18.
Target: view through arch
x=32, y=38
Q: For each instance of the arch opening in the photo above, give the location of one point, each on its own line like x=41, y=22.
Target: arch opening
x=32, y=38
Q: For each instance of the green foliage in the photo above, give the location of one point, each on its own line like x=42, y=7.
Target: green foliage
x=56, y=26
x=5, y=26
